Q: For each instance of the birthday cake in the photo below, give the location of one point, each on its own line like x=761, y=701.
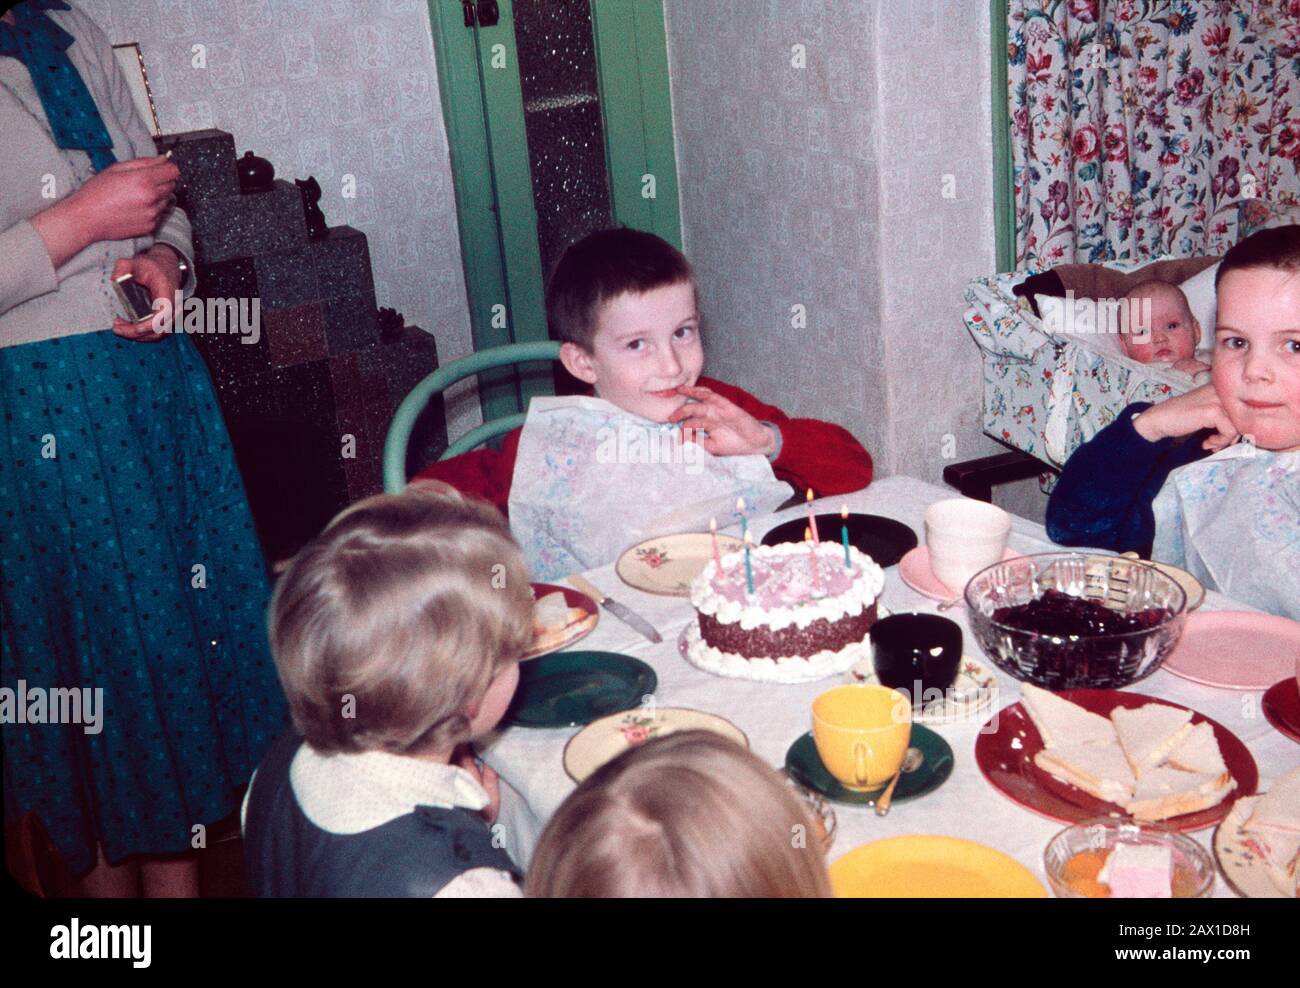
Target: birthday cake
x=795, y=625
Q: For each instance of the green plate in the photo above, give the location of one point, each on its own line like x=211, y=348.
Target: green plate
x=569, y=689
x=805, y=766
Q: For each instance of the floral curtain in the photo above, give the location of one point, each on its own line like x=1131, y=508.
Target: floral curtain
x=1139, y=126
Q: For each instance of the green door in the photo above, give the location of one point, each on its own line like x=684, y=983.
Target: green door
x=559, y=123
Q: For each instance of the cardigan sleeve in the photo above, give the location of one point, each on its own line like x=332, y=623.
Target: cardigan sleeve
x=27, y=270
x=1105, y=493
x=813, y=453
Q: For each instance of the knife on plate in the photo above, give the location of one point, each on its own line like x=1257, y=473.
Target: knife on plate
x=620, y=611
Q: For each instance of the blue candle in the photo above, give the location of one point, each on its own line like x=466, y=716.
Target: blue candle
x=844, y=534
x=749, y=572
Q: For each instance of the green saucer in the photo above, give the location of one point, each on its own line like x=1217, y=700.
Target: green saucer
x=805, y=767
x=568, y=689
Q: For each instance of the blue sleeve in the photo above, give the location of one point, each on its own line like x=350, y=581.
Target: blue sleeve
x=1104, y=495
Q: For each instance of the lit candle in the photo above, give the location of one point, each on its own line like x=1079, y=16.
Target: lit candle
x=812, y=519
x=812, y=553
x=717, y=556
x=844, y=534
x=749, y=572
x=740, y=509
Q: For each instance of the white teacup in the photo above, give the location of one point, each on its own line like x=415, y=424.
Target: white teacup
x=963, y=537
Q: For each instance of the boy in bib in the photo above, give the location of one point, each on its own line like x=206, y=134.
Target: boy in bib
x=1210, y=480
x=657, y=448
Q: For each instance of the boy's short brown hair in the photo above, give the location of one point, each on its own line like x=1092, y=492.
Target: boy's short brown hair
x=1277, y=247
x=393, y=621
x=602, y=266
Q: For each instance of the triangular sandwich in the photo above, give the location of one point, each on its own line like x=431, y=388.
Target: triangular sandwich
x=1166, y=792
x=1061, y=722
x=1199, y=752
x=1098, y=769
x=1150, y=732
x=1274, y=825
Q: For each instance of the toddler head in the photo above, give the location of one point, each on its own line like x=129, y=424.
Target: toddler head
x=1257, y=337
x=623, y=303
x=691, y=815
x=1174, y=330
x=400, y=626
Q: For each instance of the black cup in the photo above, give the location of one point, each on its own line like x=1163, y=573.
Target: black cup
x=916, y=654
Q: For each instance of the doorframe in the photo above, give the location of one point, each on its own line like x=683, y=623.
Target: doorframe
x=497, y=219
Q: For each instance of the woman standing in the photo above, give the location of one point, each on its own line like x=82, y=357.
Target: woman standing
x=128, y=559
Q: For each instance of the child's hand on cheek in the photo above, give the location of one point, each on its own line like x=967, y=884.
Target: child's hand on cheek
x=1198, y=409
x=732, y=431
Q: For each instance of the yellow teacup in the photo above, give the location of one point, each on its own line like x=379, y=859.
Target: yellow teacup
x=862, y=733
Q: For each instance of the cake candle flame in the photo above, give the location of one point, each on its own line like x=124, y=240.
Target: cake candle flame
x=740, y=510
x=812, y=519
x=844, y=534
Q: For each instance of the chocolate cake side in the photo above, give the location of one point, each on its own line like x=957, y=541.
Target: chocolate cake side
x=766, y=643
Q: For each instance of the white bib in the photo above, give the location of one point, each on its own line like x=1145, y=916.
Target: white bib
x=1233, y=521
x=592, y=480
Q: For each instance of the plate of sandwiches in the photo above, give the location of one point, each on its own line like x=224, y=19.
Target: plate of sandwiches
x=1258, y=844
x=1082, y=753
x=561, y=616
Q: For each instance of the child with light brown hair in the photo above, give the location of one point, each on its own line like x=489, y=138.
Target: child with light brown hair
x=396, y=634
x=690, y=815
x=1173, y=333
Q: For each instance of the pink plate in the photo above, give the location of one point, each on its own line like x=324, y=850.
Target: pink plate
x=915, y=570
x=1235, y=650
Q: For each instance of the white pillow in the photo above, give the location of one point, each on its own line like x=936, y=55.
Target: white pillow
x=1199, y=289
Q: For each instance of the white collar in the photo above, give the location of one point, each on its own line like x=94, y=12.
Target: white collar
x=346, y=793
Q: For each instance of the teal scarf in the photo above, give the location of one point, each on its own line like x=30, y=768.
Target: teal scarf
x=40, y=44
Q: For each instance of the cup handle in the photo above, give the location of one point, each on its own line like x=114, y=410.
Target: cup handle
x=860, y=763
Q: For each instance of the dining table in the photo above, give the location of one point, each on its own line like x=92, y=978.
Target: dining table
x=529, y=761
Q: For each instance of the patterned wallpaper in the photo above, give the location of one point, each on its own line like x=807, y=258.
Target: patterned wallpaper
x=327, y=88
x=858, y=186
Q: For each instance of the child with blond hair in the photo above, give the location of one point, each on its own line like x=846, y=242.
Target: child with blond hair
x=396, y=634
x=690, y=815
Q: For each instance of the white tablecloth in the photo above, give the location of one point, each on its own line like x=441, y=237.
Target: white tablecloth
x=772, y=715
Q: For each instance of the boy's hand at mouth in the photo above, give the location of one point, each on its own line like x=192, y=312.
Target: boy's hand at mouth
x=732, y=431
x=1191, y=412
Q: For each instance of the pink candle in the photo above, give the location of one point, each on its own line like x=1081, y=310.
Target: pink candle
x=713, y=534
x=812, y=553
x=812, y=519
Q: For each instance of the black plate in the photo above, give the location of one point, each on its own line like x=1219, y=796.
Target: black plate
x=566, y=689
x=886, y=541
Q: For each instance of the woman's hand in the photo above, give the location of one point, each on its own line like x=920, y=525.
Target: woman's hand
x=158, y=273
x=126, y=200
x=1191, y=412
x=732, y=431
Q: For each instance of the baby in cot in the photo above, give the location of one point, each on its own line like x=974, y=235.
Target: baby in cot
x=1173, y=331
x=1210, y=480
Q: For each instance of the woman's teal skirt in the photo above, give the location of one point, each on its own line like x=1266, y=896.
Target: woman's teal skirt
x=131, y=573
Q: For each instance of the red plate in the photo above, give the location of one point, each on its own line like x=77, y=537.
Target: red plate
x=574, y=598
x=1006, y=757
x=1282, y=707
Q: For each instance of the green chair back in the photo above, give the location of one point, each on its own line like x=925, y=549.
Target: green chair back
x=399, y=432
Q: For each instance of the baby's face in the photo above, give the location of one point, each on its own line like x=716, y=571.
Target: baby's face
x=645, y=346
x=1257, y=355
x=1173, y=332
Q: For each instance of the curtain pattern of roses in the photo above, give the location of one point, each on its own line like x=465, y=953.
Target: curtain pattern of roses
x=1138, y=126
